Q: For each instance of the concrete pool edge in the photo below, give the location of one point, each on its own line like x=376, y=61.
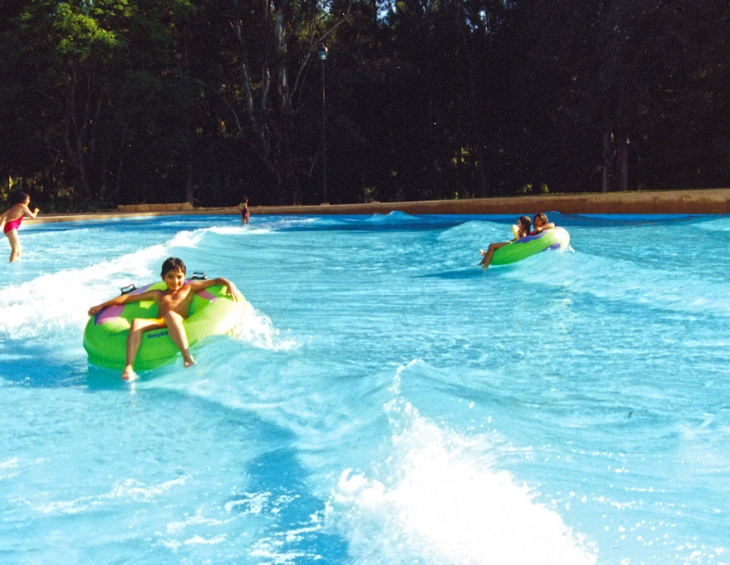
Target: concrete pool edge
x=699, y=201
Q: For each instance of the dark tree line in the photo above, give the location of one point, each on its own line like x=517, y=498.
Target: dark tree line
x=119, y=101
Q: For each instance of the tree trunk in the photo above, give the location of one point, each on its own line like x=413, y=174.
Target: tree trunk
x=479, y=145
x=272, y=122
x=189, y=194
x=623, y=166
x=608, y=161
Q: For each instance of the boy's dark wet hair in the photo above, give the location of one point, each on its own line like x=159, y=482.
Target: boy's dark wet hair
x=19, y=198
x=173, y=264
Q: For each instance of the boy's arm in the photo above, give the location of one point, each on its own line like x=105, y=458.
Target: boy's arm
x=232, y=290
x=124, y=299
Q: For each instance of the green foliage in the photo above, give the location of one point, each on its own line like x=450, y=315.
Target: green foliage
x=80, y=28
x=123, y=101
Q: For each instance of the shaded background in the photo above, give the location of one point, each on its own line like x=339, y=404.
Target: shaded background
x=112, y=102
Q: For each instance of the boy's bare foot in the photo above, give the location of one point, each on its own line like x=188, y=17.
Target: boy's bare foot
x=188, y=361
x=128, y=374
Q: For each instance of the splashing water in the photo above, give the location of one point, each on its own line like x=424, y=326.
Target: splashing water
x=382, y=399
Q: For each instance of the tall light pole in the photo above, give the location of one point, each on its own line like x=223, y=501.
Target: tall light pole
x=322, y=54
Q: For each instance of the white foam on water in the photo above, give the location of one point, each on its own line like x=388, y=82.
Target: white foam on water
x=9, y=468
x=14, y=357
x=128, y=490
x=258, y=330
x=251, y=503
x=240, y=230
x=272, y=550
x=52, y=303
x=439, y=499
x=197, y=520
x=199, y=540
x=187, y=238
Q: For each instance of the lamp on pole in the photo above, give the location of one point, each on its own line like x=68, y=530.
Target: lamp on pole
x=322, y=54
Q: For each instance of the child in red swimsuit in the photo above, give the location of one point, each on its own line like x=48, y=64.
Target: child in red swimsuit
x=243, y=206
x=11, y=220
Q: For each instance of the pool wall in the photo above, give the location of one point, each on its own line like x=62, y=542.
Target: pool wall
x=700, y=201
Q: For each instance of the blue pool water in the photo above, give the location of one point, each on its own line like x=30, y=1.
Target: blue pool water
x=383, y=401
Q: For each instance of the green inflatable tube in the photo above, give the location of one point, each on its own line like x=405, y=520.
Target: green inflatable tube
x=554, y=238
x=105, y=336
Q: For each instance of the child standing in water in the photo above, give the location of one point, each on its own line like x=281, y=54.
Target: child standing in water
x=243, y=206
x=10, y=222
x=173, y=306
x=523, y=229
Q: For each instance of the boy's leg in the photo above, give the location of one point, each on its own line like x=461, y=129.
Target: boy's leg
x=14, y=245
x=134, y=340
x=179, y=337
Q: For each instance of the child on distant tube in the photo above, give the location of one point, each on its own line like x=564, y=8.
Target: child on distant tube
x=173, y=306
x=523, y=229
x=11, y=219
x=541, y=224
